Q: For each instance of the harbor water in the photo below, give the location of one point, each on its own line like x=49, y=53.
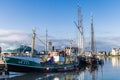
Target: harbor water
x=110, y=70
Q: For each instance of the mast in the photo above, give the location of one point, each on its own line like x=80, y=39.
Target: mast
x=70, y=46
x=92, y=36
x=33, y=42
x=80, y=33
x=46, y=40
x=78, y=25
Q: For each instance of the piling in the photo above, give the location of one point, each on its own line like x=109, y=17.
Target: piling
x=3, y=68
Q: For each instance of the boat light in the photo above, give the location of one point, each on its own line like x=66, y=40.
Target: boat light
x=47, y=68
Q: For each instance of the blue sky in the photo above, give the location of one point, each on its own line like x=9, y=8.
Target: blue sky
x=18, y=17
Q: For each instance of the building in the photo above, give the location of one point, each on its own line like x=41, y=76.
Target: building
x=115, y=51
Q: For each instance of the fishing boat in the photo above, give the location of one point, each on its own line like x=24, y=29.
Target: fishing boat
x=92, y=58
x=80, y=40
x=31, y=63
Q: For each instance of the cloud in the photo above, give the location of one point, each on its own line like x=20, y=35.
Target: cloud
x=107, y=43
x=104, y=43
x=11, y=37
x=113, y=41
x=17, y=37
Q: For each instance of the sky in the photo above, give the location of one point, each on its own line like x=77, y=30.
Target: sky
x=19, y=17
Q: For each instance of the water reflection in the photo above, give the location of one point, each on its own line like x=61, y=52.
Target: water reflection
x=87, y=73
x=109, y=71
x=47, y=76
x=115, y=61
x=90, y=72
x=93, y=69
